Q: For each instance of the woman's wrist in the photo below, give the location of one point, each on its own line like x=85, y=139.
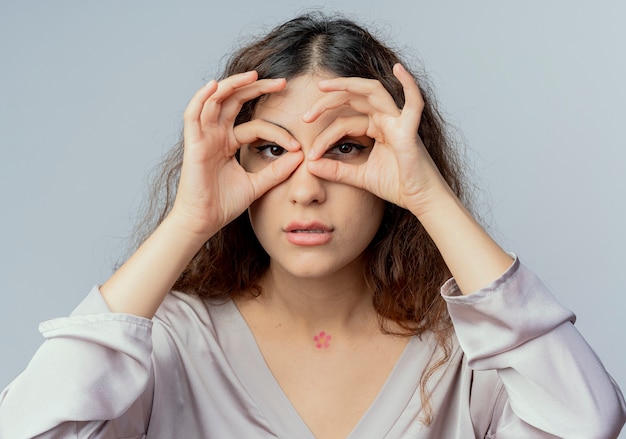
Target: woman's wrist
x=190, y=229
x=139, y=286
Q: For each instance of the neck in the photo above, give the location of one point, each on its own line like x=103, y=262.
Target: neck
x=336, y=302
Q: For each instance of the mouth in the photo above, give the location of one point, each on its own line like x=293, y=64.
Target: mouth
x=308, y=234
x=307, y=231
x=314, y=227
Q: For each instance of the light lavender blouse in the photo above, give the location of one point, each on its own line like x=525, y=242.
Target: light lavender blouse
x=519, y=369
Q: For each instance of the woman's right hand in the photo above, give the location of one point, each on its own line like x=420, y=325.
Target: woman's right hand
x=214, y=189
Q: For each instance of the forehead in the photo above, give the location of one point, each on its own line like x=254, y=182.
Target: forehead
x=298, y=95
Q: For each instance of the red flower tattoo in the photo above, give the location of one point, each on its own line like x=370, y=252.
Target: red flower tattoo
x=322, y=340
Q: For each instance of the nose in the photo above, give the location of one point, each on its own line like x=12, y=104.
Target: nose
x=304, y=187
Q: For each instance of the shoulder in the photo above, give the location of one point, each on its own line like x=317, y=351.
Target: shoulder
x=187, y=322
x=179, y=307
x=181, y=310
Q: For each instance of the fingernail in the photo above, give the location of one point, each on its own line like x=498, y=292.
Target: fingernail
x=294, y=143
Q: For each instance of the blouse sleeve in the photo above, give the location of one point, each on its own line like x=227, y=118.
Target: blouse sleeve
x=555, y=385
x=92, y=377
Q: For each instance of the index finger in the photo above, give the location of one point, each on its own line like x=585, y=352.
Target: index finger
x=341, y=127
x=226, y=103
x=249, y=132
x=366, y=96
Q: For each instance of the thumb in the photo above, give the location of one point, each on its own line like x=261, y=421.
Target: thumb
x=275, y=173
x=334, y=170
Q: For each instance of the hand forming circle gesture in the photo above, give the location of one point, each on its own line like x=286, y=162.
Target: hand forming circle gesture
x=213, y=188
x=399, y=169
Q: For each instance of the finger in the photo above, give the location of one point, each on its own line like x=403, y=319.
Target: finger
x=275, y=173
x=191, y=116
x=362, y=86
x=225, y=107
x=260, y=130
x=346, y=126
x=334, y=170
x=364, y=95
x=413, y=100
x=231, y=106
x=226, y=87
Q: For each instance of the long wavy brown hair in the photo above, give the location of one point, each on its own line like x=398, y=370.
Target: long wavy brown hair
x=402, y=267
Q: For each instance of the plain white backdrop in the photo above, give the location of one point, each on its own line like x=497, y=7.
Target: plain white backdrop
x=92, y=94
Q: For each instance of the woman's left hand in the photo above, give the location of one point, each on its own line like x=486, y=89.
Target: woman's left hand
x=399, y=169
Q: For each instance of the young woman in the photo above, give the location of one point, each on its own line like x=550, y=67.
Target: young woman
x=297, y=281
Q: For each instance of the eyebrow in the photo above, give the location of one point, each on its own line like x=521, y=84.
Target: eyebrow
x=279, y=126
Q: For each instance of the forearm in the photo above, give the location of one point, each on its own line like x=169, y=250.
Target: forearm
x=89, y=378
x=550, y=373
x=141, y=284
x=471, y=254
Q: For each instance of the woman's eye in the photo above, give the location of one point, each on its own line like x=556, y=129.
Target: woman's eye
x=346, y=148
x=270, y=151
x=345, y=151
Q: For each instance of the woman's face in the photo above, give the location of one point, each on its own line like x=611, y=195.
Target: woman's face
x=311, y=227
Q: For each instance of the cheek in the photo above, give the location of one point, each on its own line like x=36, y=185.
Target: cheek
x=255, y=213
x=262, y=213
x=368, y=213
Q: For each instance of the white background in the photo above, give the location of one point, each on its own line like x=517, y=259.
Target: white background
x=92, y=92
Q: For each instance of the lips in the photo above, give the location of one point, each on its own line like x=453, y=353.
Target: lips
x=308, y=233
